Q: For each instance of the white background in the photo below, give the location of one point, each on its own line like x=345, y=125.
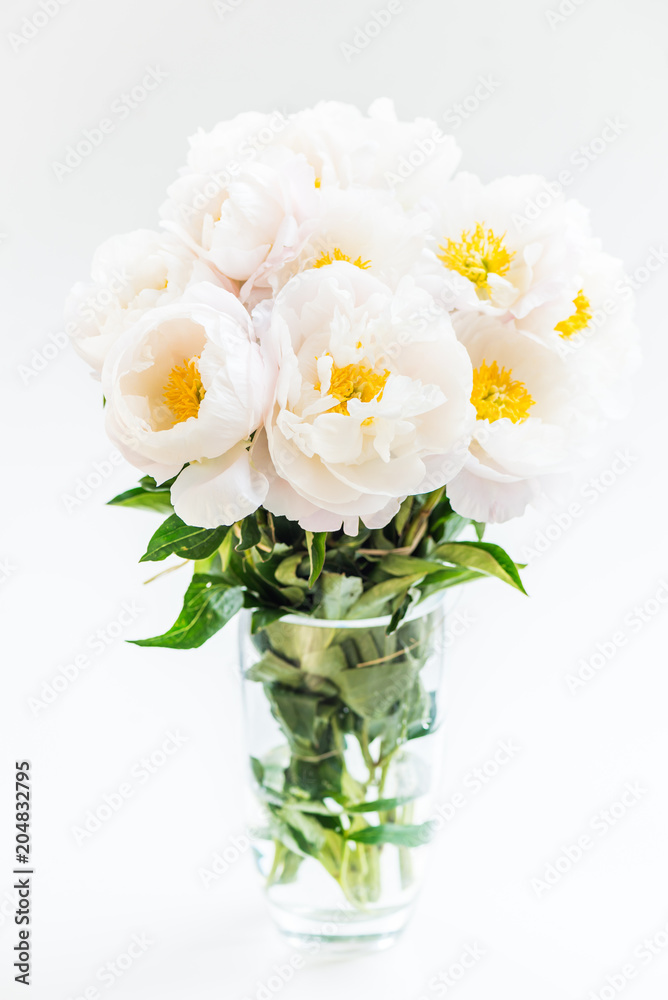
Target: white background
x=66, y=573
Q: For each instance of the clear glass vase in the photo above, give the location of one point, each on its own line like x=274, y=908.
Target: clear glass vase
x=344, y=738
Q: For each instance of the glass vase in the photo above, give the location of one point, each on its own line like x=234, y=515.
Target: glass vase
x=344, y=740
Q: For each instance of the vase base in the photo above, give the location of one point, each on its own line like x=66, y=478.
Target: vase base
x=340, y=934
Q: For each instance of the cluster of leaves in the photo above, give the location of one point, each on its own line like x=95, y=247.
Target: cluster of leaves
x=273, y=566
x=330, y=689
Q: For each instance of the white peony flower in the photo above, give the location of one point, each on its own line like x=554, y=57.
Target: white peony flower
x=532, y=410
x=591, y=327
x=188, y=384
x=222, y=151
x=246, y=200
x=495, y=258
x=348, y=149
x=371, y=402
x=253, y=223
x=130, y=274
x=365, y=227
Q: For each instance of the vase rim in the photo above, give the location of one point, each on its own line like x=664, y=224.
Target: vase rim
x=419, y=610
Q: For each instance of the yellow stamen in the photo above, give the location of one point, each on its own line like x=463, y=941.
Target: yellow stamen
x=579, y=320
x=318, y=182
x=356, y=381
x=477, y=255
x=184, y=391
x=337, y=254
x=496, y=394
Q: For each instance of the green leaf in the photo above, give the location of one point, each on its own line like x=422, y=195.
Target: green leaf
x=450, y=576
x=484, y=557
x=325, y=663
x=380, y=805
x=402, y=610
x=286, y=572
x=174, y=536
x=264, y=616
x=401, y=519
x=427, y=721
x=294, y=642
x=250, y=534
x=407, y=566
x=453, y=525
x=155, y=500
x=394, y=833
x=375, y=601
x=315, y=544
x=372, y=691
x=226, y=549
x=257, y=769
x=273, y=668
x=338, y=593
x=209, y=603
x=150, y=484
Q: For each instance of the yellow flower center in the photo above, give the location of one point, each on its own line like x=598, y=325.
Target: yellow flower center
x=184, y=391
x=579, y=320
x=478, y=254
x=318, y=182
x=356, y=381
x=337, y=254
x=496, y=394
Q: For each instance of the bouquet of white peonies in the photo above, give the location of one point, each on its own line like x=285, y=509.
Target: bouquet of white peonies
x=335, y=357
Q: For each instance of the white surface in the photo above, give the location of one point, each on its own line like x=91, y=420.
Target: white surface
x=71, y=572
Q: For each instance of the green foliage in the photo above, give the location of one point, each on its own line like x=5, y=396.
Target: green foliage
x=405, y=835
x=332, y=687
x=173, y=537
x=283, y=569
x=209, y=603
x=315, y=545
x=147, y=496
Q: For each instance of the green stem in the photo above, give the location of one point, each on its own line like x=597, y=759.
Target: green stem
x=279, y=853
x=366, y=754
x=416, y=528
